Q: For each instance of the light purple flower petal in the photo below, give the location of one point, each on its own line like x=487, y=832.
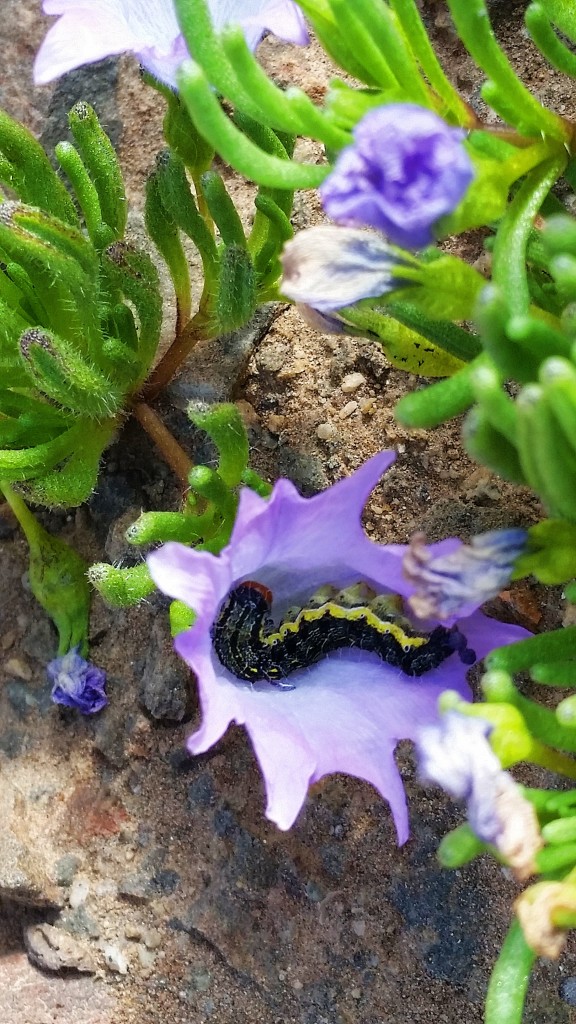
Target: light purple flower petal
x=405, y=170
x=345, y=713
x=328, y=267
x=88, y=30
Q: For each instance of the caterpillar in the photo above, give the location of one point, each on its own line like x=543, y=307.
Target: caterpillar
x=252, y=648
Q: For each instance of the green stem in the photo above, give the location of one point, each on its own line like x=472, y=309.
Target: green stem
x=509, y=981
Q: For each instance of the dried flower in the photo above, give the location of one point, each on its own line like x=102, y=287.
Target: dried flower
x=405, y=170
x=77, y=683
x=455, y=754
x=346, y=712
x=88, y=30
x=536, y=908
x=463, y=575
x=329, y=267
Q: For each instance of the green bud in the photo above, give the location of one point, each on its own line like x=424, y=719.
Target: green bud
x=152, y=527
x=121, y=588
x=459, y=847
x=28, y=171
x=236, y=297
x=61, y=374
x=100, y=158
x=566, y=709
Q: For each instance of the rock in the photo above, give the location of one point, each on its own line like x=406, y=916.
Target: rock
x=165, y=687
x=40, y=641
x=136, y=887
x=351, y=382
x=79, y=922
x=23, y=878
x=66, y=868
x=54, y=950
x=115, y=959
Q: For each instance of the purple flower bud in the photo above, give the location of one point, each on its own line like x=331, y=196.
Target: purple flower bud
x=77, y=683
x=405, y=170
x=329, y=267
x=463, y=577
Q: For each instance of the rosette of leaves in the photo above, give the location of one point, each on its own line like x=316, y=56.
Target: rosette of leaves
x=80, y=310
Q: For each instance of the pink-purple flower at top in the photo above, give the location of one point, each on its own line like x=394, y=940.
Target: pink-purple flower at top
x=88, y=30
x=347, y=711
x=404, y=171
x=77, y=683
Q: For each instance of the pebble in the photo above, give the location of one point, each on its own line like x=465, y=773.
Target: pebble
x=367, y=406
x=145, y=956
x=54, y=950
x=351, y=382
x=152, y=938
x=133, y=931
x=65, y=869
x=78, y=892
x=276, y=423
x=115, y=959
x=359, y=928
x=17, y=667
x=348, y=409
x=326, y=432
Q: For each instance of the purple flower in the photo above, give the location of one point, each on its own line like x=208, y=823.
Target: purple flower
x=77, y=683
x=405, y=170
x=463, y=575
x=346, y=712
x=329, y=267
x=88, y=30
x=456, y=755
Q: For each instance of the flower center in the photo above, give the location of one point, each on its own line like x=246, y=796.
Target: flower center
x=252, y=648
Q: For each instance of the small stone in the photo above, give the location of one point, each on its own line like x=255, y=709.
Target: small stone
x=78, y=893
x=54, y=950
x=78, y=922
x=348, y=410
x=115, y=959
x=66, y=868
x=326, y=431
x=40, y=641
x=165, y=882
x=152, y=938
x=145, y=956
x=367, y=406
x=133, y=931
x=275, y=423
x=351, y=382
x=136, y=887
x=359, y=928
x=21, y=699
x=271, y=356
x=17, y=667
x=356, y=993
x=294, y=369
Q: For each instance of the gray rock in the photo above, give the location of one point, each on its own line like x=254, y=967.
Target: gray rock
x=165, y=686
x=41, y=640
x=66, y=868
x=79, y=922
x=54, y=950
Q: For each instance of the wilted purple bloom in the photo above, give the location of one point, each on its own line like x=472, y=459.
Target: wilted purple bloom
x=347, y=712
x=88, y=30
x=405, y=169
x=463, y=575
x=328, y=267
x=456, y=755
x=77, y=683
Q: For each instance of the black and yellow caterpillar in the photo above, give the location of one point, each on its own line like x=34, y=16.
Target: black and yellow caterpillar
x=249, y=645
